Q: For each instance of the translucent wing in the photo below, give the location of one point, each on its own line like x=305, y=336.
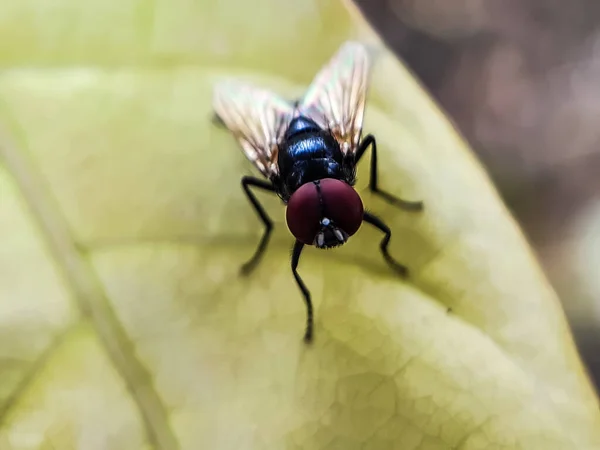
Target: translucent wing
x=337, y=95
x=257, y=118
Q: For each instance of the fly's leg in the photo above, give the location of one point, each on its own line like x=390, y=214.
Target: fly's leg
x=369, y=140
x=378, y=223
x=247, y=182
x=297, y=250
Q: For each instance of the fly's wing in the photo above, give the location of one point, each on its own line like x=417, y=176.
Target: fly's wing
x=258, y=120
x=337, y=95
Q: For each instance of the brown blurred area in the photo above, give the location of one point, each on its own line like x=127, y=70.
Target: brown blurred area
x=521, y=81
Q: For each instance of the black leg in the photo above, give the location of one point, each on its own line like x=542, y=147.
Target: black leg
x=377, y=223
x=267, y=186
x=298, y=246
x=369, y=140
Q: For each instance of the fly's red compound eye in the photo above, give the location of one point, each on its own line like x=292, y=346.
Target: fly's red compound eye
x=332, y=200
x=303, y=213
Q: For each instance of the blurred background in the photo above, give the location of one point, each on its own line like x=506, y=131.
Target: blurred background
x=521, y=80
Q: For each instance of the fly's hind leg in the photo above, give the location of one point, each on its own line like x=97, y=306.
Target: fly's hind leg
x=247, y=182
x=369, y=141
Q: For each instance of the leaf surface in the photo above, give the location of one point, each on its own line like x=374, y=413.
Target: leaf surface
x=123, y=321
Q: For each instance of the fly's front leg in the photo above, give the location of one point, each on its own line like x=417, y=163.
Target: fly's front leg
x=297, y=250
x=369, y=141
x=378, y=223
x=247, y=182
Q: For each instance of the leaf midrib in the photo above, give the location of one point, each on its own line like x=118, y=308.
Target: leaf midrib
x=88, y=292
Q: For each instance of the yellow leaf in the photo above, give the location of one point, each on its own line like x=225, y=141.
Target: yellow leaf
x=123, y=321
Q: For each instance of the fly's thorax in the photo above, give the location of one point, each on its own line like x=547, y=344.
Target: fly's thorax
x=303, y=172
x=309, y=156
x=306, y=147
x=301, y=125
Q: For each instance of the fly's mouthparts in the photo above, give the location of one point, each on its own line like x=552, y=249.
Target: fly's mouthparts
x=320, y=240
x=330, y=235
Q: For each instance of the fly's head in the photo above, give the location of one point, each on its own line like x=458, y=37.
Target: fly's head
x=324, y=213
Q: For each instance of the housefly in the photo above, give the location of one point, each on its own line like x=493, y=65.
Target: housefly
x=307, y=151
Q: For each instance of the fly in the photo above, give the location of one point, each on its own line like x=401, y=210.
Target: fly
x=307, y=152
